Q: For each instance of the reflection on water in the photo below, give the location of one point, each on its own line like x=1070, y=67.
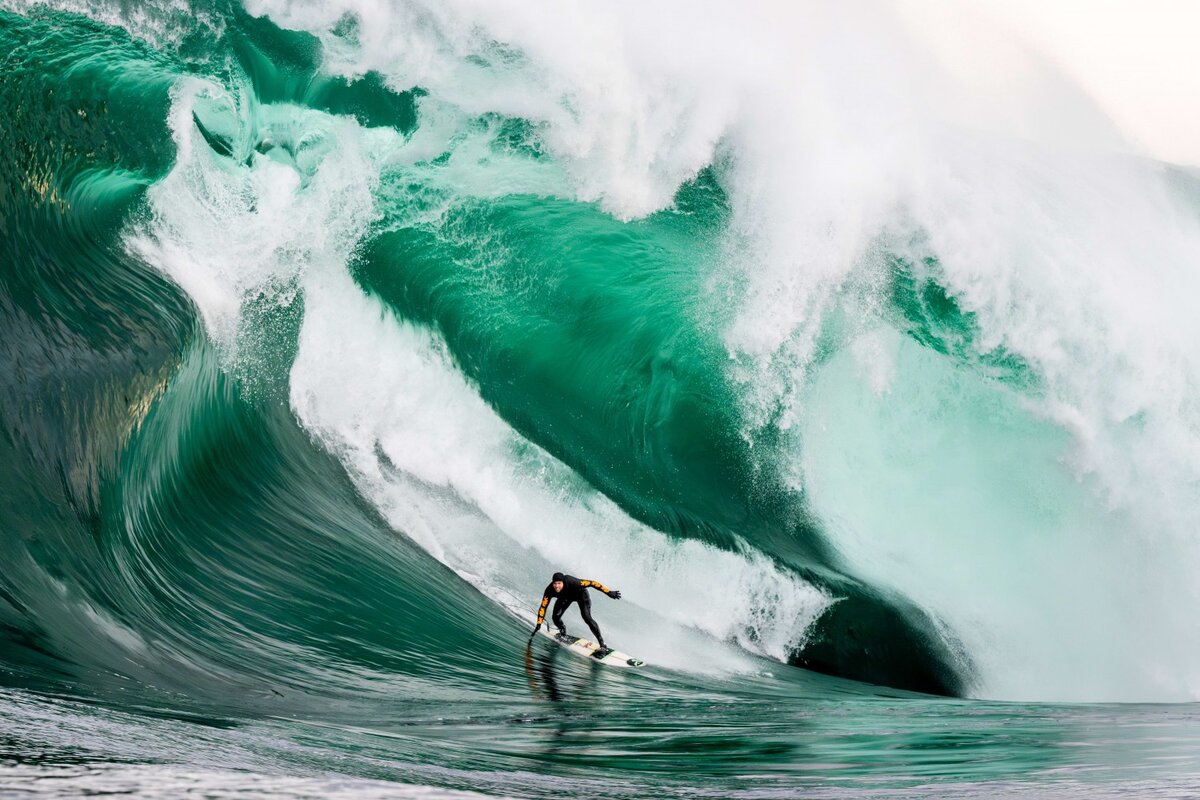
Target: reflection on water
x=586, y=729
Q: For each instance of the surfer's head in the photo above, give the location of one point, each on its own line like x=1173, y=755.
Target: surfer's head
x=556, y=580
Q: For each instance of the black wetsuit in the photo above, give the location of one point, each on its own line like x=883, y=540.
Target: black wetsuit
x=574, y=591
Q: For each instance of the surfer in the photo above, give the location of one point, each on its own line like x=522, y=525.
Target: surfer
x=569, y=589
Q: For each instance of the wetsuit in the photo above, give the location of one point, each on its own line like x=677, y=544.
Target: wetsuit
x=574, y=591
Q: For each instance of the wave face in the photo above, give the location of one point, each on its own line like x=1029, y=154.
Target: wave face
x=329, y=330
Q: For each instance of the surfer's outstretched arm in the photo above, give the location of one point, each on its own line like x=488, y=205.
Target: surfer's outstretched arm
x=613, y=593
x=541, y=615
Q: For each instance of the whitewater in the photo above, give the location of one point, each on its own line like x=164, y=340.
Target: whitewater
x=857, y=351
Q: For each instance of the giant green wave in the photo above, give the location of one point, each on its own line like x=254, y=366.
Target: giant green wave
x=161, y=506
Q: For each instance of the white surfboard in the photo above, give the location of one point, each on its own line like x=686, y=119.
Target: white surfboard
x=586, y=648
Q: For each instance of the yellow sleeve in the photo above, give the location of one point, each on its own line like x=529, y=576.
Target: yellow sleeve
x=595, y=585
x=542, y=608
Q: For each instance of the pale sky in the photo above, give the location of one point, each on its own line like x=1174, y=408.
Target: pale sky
x=1138, y=59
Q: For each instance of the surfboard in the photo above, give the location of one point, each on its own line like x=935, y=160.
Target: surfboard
x=586, y=648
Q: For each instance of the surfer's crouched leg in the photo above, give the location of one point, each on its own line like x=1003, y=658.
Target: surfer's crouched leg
x=557, y=617
x=585, y=611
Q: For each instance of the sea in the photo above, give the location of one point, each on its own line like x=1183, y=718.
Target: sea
x=860, y=356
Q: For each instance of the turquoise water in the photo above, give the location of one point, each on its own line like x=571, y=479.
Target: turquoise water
x=329, y=333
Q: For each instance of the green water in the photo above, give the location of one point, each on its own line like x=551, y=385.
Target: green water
x=213, y=582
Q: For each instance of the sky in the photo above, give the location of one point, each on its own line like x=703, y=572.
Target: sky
x=1138, y=59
